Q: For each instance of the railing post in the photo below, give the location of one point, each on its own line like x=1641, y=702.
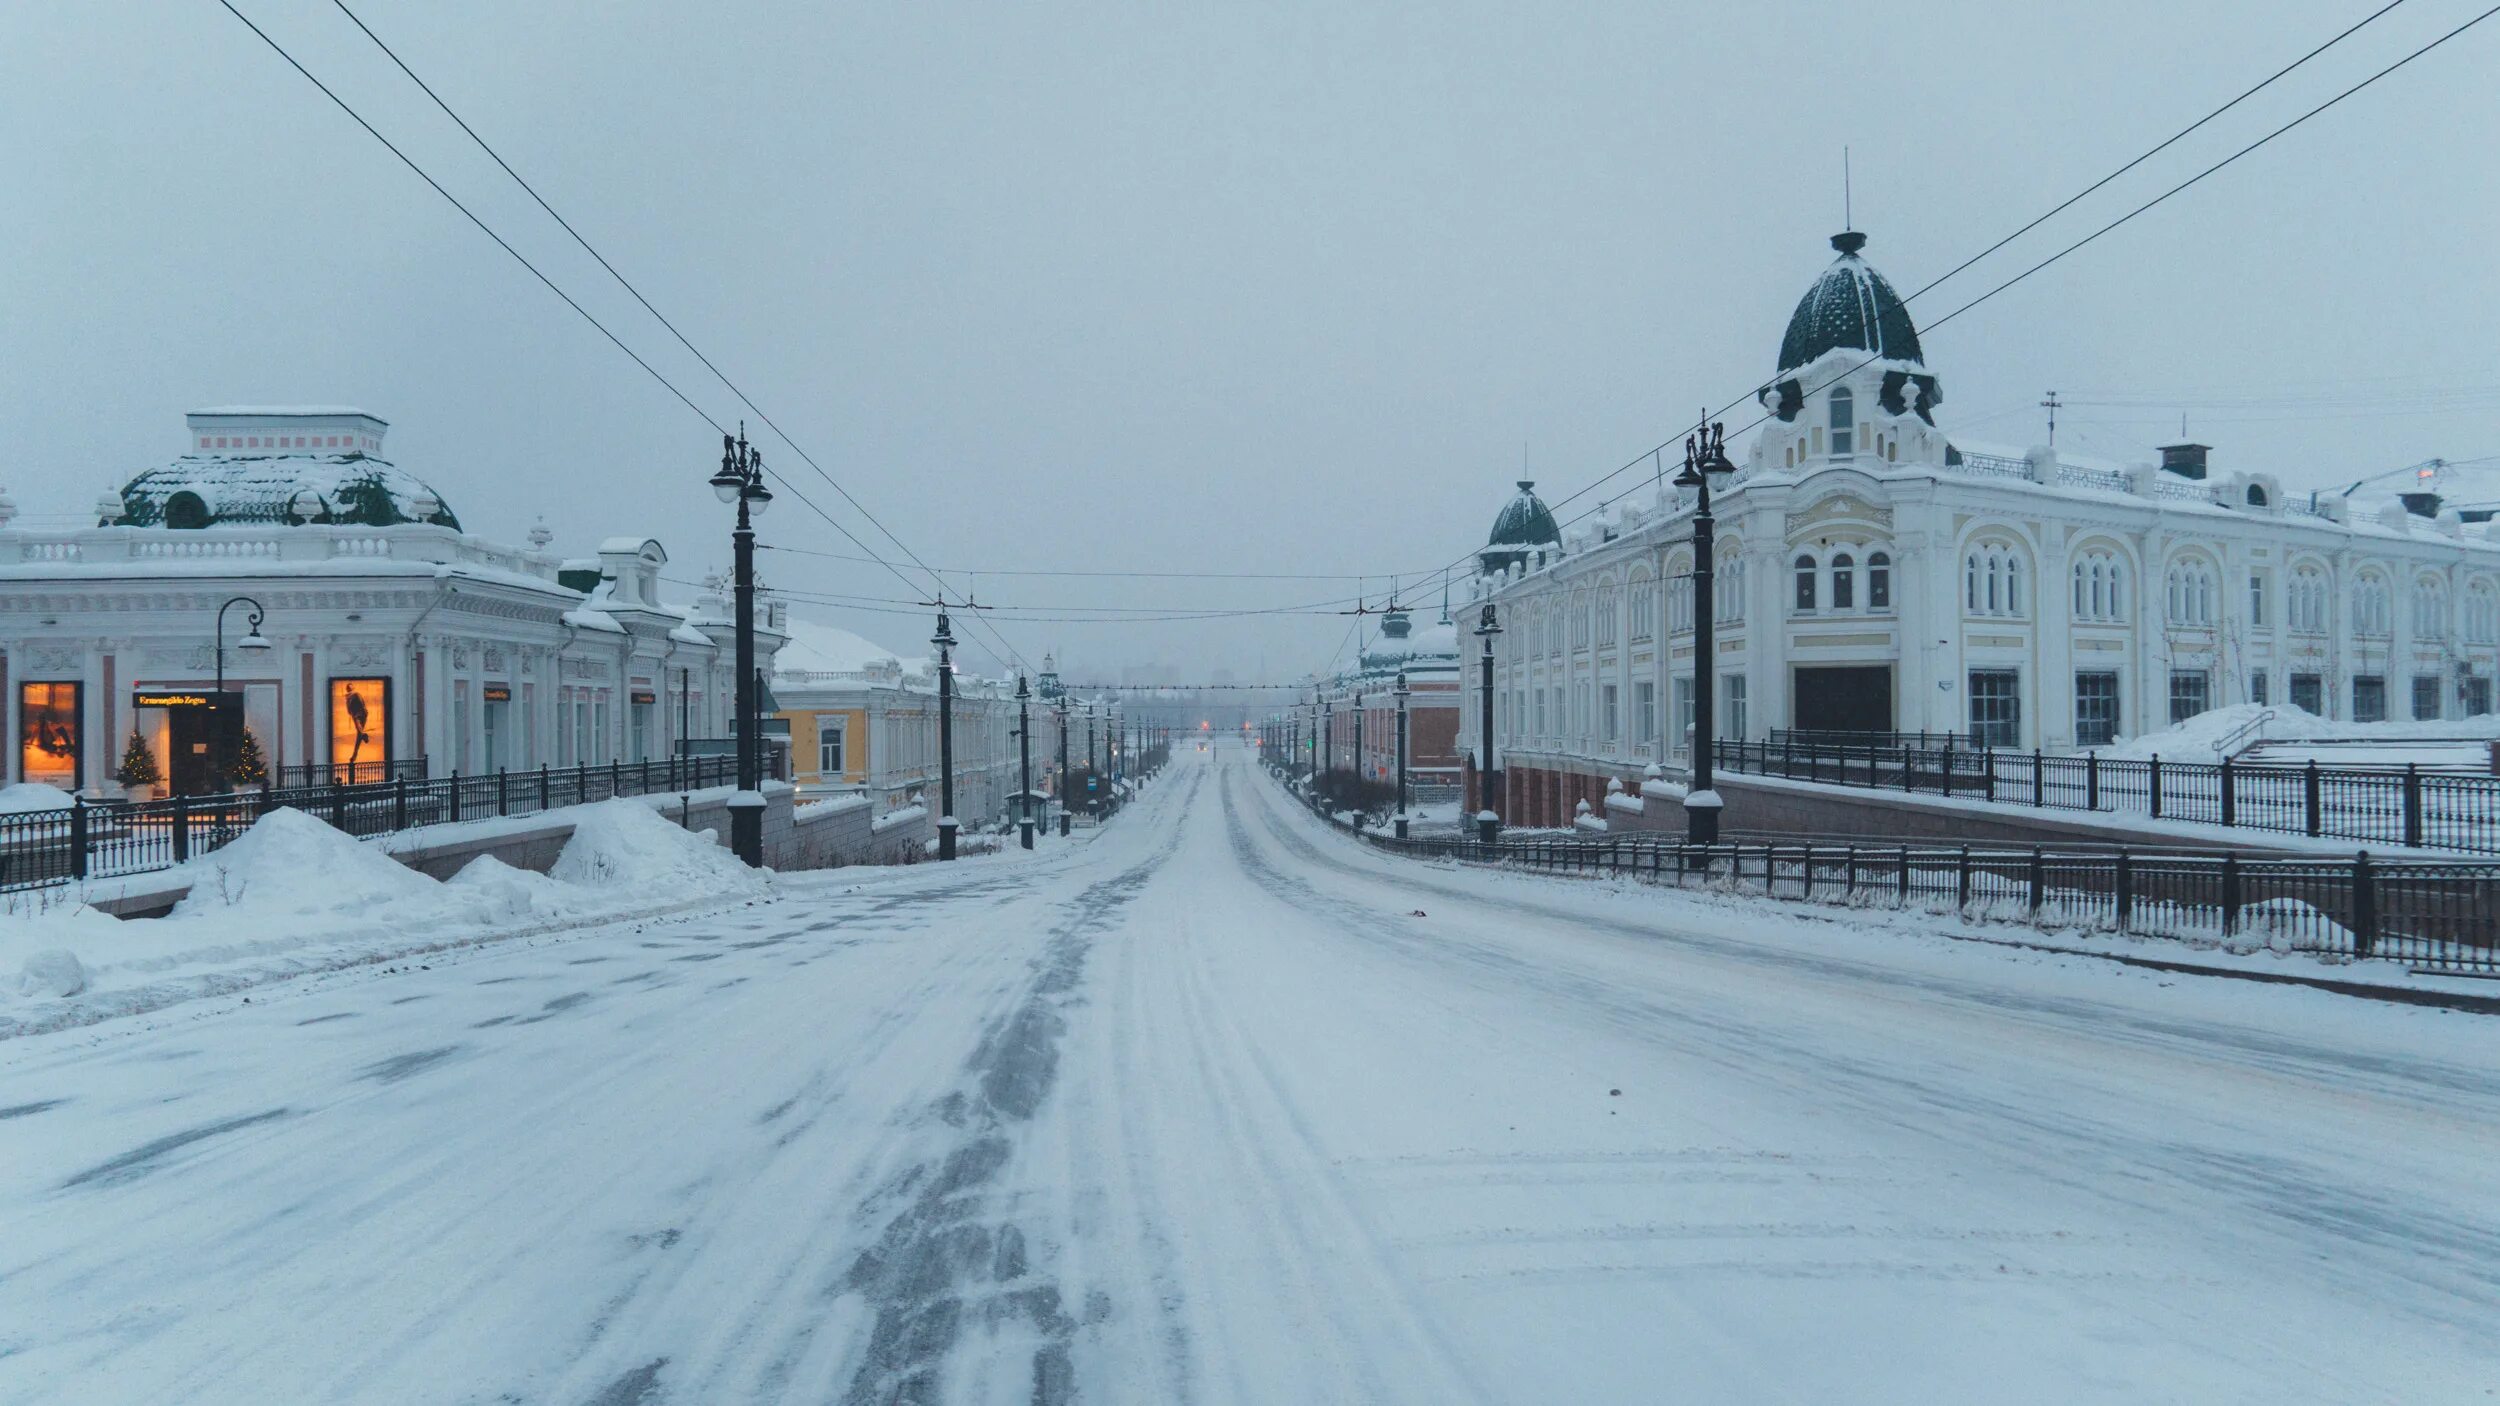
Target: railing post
x=2230, y=894
x=182, y=828
x=2230, y=794
x=399, y=801
x=2039, y=881
x=1905, y=876
x=646, y=773
x=2153, y=785
x=1988, y=773
x=1907, y=780
x=1962, y=900
x=2364, y=905
x=1945, y=771
x=543, y=803
x=503, y=791
x=1849, y=875
x=338, y=803
x=1805, y=887
x=2311, y=795
x=2039, y=779
x=2091, y=781
x=455, y=795
x=2413, y=805
x=78, y=837
x=616, y=778
x=2126, y=888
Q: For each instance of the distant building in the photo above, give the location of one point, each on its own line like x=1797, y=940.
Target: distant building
x=1362, y=710
x=865, y=722
x=399, y=642
x=1875, y=574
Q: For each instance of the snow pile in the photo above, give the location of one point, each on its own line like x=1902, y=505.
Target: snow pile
x=2197, y=738
x=494, y=892
x=625, y=844
x=27, y=797
x=292, y=865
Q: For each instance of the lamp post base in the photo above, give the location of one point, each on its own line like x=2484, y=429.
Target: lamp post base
x=1488, y=828
x=1063, y=824
x=1701, y=817
x=1026, y=827
x=946, y=838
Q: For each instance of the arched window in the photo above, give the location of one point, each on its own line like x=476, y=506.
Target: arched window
x=2256, y=495
x=1805, y=582
x=1644, y=609
x=1879, y=582
x=2430, y=609
x=1970, y=583
x=1606, y=627
x=1844, y=420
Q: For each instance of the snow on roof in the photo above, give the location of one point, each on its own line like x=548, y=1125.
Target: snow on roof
x=600, y=620
x=625, y=544
x=818, y=648
x=267, y=412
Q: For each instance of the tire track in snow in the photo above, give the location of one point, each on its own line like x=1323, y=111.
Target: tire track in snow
x=939, y=1268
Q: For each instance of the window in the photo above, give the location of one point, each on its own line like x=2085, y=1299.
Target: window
x=2475, y=694
x=1609, y=715
x=2096, y=708
x=2258, y=687
x=2098, y=596
x=1995, y=708
x=2256, y=496
x=1683, y=703
x=51, y=733
x=1727, y=592
x=360, y=728
x=829, y=740
x=2308, y=601
x=1644, y=609
x=1805, y=583
x=1539, y=695
x=1732, y=707
x=2430, y=609
x=1645, y=714
x=1844, y=582
x=1680, y=600
x=2256, y=598
x=2369, y=606
x=2426, y=697
x=1606, y=628
x=2191, y=693
x=1879, y=582
x=2189, y=594
x=2369, y=698
x=1992, y=581
x=2309, y=693
x=2482, y=614
x=1844, y=420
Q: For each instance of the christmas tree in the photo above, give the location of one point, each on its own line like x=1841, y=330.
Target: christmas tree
x=249, y=767
x=138, y=766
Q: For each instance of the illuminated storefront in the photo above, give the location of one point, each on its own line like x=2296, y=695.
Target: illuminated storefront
x=50, y=733
x=360, y=729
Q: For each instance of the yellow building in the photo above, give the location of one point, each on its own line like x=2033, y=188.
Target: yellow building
x=863, y=722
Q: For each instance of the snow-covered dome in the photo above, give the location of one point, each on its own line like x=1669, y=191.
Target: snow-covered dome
x=253, y=464
x=1525, y=525
x=1851, y=307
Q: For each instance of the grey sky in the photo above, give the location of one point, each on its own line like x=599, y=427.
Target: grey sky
x=1270, y=287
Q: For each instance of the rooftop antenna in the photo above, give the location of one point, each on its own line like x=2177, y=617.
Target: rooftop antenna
x=2052, y=403
x=1848, y=217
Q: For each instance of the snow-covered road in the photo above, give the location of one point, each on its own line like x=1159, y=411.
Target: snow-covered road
x=1219, y=1107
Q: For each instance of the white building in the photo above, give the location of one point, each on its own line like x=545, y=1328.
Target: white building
x=1875, y=575
x=395, y=639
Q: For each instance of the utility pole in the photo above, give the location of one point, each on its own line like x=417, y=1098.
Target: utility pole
x=1704, y=454
x=1488, y=781
x=1402, y=696
x=1063, y=768
x=1024, y=759
x=741, y=481
x=945, y=642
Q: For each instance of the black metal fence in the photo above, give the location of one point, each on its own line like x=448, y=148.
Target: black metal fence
x=349, y=773
x=2435, y=916
x=115, y=838
x=2383, y=805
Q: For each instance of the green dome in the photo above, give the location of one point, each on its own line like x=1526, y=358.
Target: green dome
x=1850, y=307
x=1525, y=525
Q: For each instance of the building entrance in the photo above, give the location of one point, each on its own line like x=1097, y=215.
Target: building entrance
x=1856, y=698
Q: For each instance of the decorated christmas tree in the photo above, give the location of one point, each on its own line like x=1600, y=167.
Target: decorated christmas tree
x=138, y=766
x=249, y=767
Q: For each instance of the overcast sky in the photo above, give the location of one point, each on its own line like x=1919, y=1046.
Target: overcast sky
x=1244, y=288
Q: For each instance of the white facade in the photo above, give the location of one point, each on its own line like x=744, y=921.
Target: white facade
x=463, y=654
x=1871, y=576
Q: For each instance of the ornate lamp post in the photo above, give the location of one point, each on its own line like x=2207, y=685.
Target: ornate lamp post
x=1402, y=695
x=1705, y=454
x=253, y=644
x=945, y=642
x=1063, y=768
x=1024, y=760
x=1488, y=780
x=741, y=481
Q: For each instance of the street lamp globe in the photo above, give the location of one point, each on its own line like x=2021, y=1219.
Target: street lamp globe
x=254, y=643
x=758, y=496
x=108, y=508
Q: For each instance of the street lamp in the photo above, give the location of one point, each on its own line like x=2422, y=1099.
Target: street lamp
x=1488, y=781
x=741, y=481
x=945, y=642
x=252, y=643
x=1024, y=760
x=1705, y=453
x=1402, y=696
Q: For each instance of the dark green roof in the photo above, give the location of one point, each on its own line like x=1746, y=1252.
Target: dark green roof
x=1525, y=524
x=1851, y=306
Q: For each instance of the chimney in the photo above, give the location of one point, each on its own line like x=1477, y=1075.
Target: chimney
x=2420, y=504
x=2185, y=460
